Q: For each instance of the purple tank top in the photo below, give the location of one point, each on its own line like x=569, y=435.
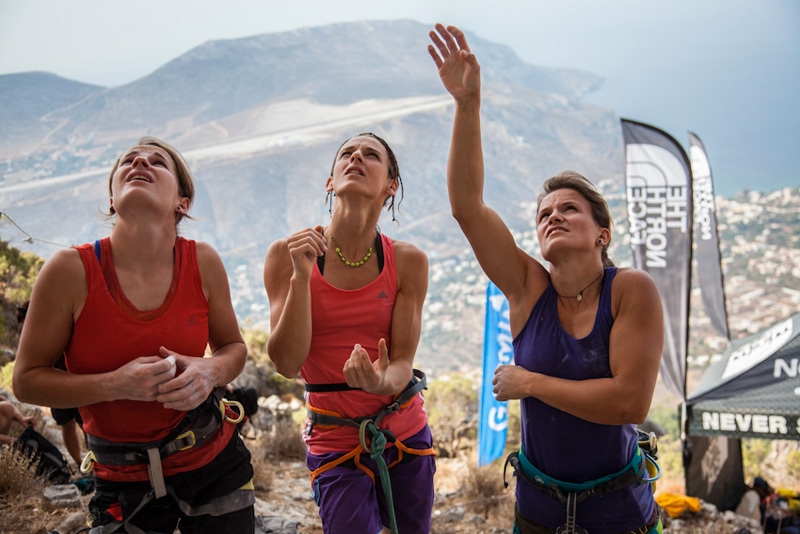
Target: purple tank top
x=566, y=447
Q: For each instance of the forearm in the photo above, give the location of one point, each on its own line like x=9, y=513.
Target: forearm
x=465, y=172
x=46, y=386
x=230, y=360
x=605, y=401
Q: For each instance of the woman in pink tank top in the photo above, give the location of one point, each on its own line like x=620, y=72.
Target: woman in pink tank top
x=345, y=314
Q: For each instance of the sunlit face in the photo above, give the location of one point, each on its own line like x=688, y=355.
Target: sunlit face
x=362, y=163
x=148, y=170
x=565, y=222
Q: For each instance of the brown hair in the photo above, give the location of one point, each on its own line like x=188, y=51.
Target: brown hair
x=578, y=182
x=182, y=172
x=394, y=171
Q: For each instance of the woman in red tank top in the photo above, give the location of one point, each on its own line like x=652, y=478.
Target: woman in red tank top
x=133, y=315
x=345, y=313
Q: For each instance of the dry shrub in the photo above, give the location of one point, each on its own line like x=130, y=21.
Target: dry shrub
x=452, y=406
x=485, y=492
x=283, y=442
x=17, y=473
x=20, y=494
x=263, y=466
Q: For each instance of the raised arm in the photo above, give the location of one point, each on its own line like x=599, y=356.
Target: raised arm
x=635, y=346
x=287, y=279
x=502, y=261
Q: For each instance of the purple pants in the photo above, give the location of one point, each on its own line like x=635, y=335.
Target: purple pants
x=350, y=503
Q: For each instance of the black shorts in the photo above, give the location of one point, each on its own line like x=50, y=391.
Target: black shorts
x=65, y=415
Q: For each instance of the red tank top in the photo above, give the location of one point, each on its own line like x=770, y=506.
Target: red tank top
x=340, y=319
x=110, y=332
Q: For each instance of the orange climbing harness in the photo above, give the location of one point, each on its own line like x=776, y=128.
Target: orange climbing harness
x=366, y=424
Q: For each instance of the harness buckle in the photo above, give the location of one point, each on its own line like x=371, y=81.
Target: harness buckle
x=391, y=408
x=191, y=437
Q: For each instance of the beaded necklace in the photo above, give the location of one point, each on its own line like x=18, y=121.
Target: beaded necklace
x=354, y=264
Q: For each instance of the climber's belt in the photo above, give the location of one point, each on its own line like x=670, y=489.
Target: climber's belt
x=115, y=453
x=627, y=476
x=417, y=384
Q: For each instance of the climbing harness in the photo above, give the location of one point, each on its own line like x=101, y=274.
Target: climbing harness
x=372, y=438
x=642, y=469
x=196, y=428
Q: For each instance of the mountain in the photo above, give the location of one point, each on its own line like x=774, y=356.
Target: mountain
x=259, y=120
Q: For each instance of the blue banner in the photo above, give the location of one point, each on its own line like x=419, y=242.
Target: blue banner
x=497, y=350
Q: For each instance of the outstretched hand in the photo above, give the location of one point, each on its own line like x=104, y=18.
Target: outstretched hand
x=360, y=372
x=458, y=66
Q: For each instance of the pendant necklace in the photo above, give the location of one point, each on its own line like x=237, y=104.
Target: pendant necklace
x=579, y=296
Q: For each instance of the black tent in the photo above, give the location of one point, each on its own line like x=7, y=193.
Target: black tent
x=752, y=392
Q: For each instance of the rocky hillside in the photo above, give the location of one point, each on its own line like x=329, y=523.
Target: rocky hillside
x=260, y=118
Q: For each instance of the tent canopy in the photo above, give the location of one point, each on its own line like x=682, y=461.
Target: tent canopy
x=754, y=390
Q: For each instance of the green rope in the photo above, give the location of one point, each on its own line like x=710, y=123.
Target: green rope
x=376, y=449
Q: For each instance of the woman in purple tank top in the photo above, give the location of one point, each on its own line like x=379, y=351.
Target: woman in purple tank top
x=587, y=336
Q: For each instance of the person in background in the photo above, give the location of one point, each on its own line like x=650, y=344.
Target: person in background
x=349, y=322
x=68, y=419
x=71, y=424
x=588, y=336
x=8, y=414
x=133, y=315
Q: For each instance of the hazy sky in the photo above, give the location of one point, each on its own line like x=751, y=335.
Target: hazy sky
x=728, y=70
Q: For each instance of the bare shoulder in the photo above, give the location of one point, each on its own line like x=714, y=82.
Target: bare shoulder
x=409, y=255
x=278, y=261
x=64, y=264
x=61, y=284
x=636, y=288
x=207, y=256
x=629, y=278
x=212, y=270
x=278, y=249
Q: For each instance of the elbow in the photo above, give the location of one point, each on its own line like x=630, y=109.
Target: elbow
x=634, y=413
x=460, y=212
x=462, y=217
x=287, y=371
x=20, y=390
x=283, y=364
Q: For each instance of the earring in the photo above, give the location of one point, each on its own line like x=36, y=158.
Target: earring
x=600, y=242
x=329, y=201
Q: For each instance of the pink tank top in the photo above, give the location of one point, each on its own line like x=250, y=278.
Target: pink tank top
x=340, y=319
